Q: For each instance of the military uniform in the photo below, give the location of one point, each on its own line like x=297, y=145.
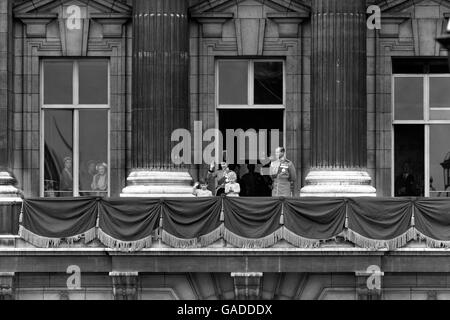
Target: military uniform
x=283, y=173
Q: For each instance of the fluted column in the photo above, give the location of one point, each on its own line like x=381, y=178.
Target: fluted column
x=338, y=110
x=8, y=190
x=160, y=95
x=160, y=79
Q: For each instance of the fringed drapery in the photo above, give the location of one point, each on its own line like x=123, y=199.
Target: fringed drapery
x=251, y=222
x=379, y=222
x=50, y=222
x=309, y=221
x=128, y=225
x=191, y=222
x=131, y=224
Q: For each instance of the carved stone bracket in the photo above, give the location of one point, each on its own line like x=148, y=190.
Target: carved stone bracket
x=247, y=285
x=288, y=23
x=390, y=24
x=7, y=285
x=36, y=23
x=125, y=285
x=112, y=23
x=212, y=23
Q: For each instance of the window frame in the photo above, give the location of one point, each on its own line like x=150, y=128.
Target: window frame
x=426, y=122
x=75, y=107
x=250, y=94
x=250, y=85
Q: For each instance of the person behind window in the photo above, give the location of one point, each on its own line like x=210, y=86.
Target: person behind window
x=100, y=180
x=232, y=188
x=283, y=174
x=405, y=185
x=87, y=176
x=201, y=189
x=66, y=178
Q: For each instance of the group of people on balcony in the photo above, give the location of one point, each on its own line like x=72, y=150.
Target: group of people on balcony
x=277, y=180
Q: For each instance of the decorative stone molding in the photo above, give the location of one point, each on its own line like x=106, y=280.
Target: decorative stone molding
x=112, y=23
x=125, y=285
x=157, y=184
x=288, y=23
x=8, y=190
x=7, y=285
x=212, y=23
x=338, y=184
x=247, y=285
x=36, y=23
x=390, y=24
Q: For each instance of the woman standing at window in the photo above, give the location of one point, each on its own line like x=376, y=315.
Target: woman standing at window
x=100, y=181
x=66, y=179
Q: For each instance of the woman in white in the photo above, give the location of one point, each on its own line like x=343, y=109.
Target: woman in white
x=232, y=188
x=100, y=180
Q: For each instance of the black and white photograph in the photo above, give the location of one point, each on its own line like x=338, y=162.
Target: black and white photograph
x=241, y=151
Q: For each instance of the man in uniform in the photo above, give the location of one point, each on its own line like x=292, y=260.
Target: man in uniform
x=283, y=174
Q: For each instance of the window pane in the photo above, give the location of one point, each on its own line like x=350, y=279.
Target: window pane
x=58, y=172
x=93, y=152
x=233, y=82
x=93, y=82
x=268, y=83
x=58, y=82
x=439, y=160
x=409, y=98
x=439, y=92
x=409, y=160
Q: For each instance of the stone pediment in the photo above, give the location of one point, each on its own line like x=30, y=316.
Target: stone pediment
x=72, y=20
x=221, y=6
x=250, y=17
x=407, y=6
x=52, y=6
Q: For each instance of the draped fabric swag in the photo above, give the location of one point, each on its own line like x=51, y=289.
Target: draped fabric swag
x=131, y=224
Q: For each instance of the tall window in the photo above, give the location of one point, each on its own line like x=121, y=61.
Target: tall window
x=75, y=125
x=250, y=96
x=251, y=83
x=421, y=104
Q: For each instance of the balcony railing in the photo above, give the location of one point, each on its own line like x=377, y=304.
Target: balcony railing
x=132, y=224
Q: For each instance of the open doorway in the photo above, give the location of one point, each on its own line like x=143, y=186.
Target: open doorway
x=259, y=121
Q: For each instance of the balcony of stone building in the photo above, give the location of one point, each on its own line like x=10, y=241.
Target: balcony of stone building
x=314, y=235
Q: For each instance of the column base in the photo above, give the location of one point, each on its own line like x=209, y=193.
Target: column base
x=8, y=191
x=158, y=184
x=323, y=183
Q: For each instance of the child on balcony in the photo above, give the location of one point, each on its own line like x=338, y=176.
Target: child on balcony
x=201, y=190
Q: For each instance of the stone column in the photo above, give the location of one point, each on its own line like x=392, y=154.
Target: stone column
x=338, y=110
x=8, y=191
x=160, y=97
